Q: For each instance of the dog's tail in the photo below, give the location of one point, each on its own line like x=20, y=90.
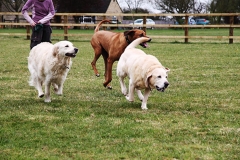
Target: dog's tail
x=99, y=24
x=142, y=41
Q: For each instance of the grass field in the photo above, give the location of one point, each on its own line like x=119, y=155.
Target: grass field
x=155, y=32
x=197, y=117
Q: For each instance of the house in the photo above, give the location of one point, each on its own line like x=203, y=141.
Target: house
x=92, y=6
x=114, y=7
x=102, y=6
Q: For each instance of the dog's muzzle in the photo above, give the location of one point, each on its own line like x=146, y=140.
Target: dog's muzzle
x=163, y=88
x=144, y=44
x=72, y=54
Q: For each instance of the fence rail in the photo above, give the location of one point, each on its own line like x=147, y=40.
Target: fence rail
x=65, y=24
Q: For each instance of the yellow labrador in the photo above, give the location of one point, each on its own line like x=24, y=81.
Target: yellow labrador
x=144, y=72
x=49, y=64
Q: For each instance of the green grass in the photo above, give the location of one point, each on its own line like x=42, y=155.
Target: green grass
x=197, y=117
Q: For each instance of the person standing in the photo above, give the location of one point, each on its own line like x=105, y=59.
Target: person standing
x=42, y=12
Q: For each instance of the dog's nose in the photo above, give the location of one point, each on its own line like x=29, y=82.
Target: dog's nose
x=149, y=40
x=166, y=84
x=76, y=50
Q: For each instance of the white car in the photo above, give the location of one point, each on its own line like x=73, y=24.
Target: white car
x=138, y=23
x=85, y=19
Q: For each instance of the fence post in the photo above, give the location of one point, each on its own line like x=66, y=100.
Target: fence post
x=65, y=27
x=231, y=29
x=1, y=20
x=186, y=29
x=144, y=22
x=104, y=27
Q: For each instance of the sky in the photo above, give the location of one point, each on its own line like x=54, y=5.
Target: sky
x=150, y=7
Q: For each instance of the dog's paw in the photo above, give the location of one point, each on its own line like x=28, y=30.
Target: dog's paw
x=57, y=92
x=141, y=98
x=41, y=95
x=124, y=92
x=98, y=75
x=47, y=100
x=144, y=108
x=55, y=89
x=130, y=100
x=109, y=87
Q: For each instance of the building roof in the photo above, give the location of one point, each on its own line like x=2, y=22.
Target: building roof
x=84, y=6
x=97, y=6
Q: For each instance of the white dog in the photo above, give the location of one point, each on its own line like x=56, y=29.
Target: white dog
x=49, y=64
x=144, y=72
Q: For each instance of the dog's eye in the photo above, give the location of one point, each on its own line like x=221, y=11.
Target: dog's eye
x=159, y=76
x=66, y=46
x=166, y=76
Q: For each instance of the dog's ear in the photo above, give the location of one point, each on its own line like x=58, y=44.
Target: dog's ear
x=131, y=33
x=147, y=80
x=55, y=51
x=149, y=75
x=167, y=69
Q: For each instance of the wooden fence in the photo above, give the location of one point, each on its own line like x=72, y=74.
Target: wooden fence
x=65, y=24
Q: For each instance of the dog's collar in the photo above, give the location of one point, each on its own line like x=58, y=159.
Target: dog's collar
x=128, y=41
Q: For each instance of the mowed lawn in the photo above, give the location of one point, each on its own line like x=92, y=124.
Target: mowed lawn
x=197, y=117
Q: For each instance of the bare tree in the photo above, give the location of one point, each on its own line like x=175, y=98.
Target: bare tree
x=179, y=6
x=174, y=6
x=134, y=6
x=13, y=6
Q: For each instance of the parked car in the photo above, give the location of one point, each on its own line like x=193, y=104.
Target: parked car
x=202, y=22
x=191, y=21
x=138, y=23
x=114, y=20
x=86, y=19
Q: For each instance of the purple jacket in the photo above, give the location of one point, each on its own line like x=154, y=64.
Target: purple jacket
x=42, y=12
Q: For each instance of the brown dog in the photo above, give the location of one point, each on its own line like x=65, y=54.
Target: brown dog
x=111, y=46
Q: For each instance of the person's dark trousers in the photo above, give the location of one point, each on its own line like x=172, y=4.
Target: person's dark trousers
x=40, y=33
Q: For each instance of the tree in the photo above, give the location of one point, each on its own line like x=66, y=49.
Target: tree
x=223, y=6
x=134, y=6
x=200, y=7
x=140, y=10
x=180, y=6
x=13, y=6
x=175, y=6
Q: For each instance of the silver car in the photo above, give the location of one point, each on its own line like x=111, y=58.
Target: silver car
x=138, y=23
